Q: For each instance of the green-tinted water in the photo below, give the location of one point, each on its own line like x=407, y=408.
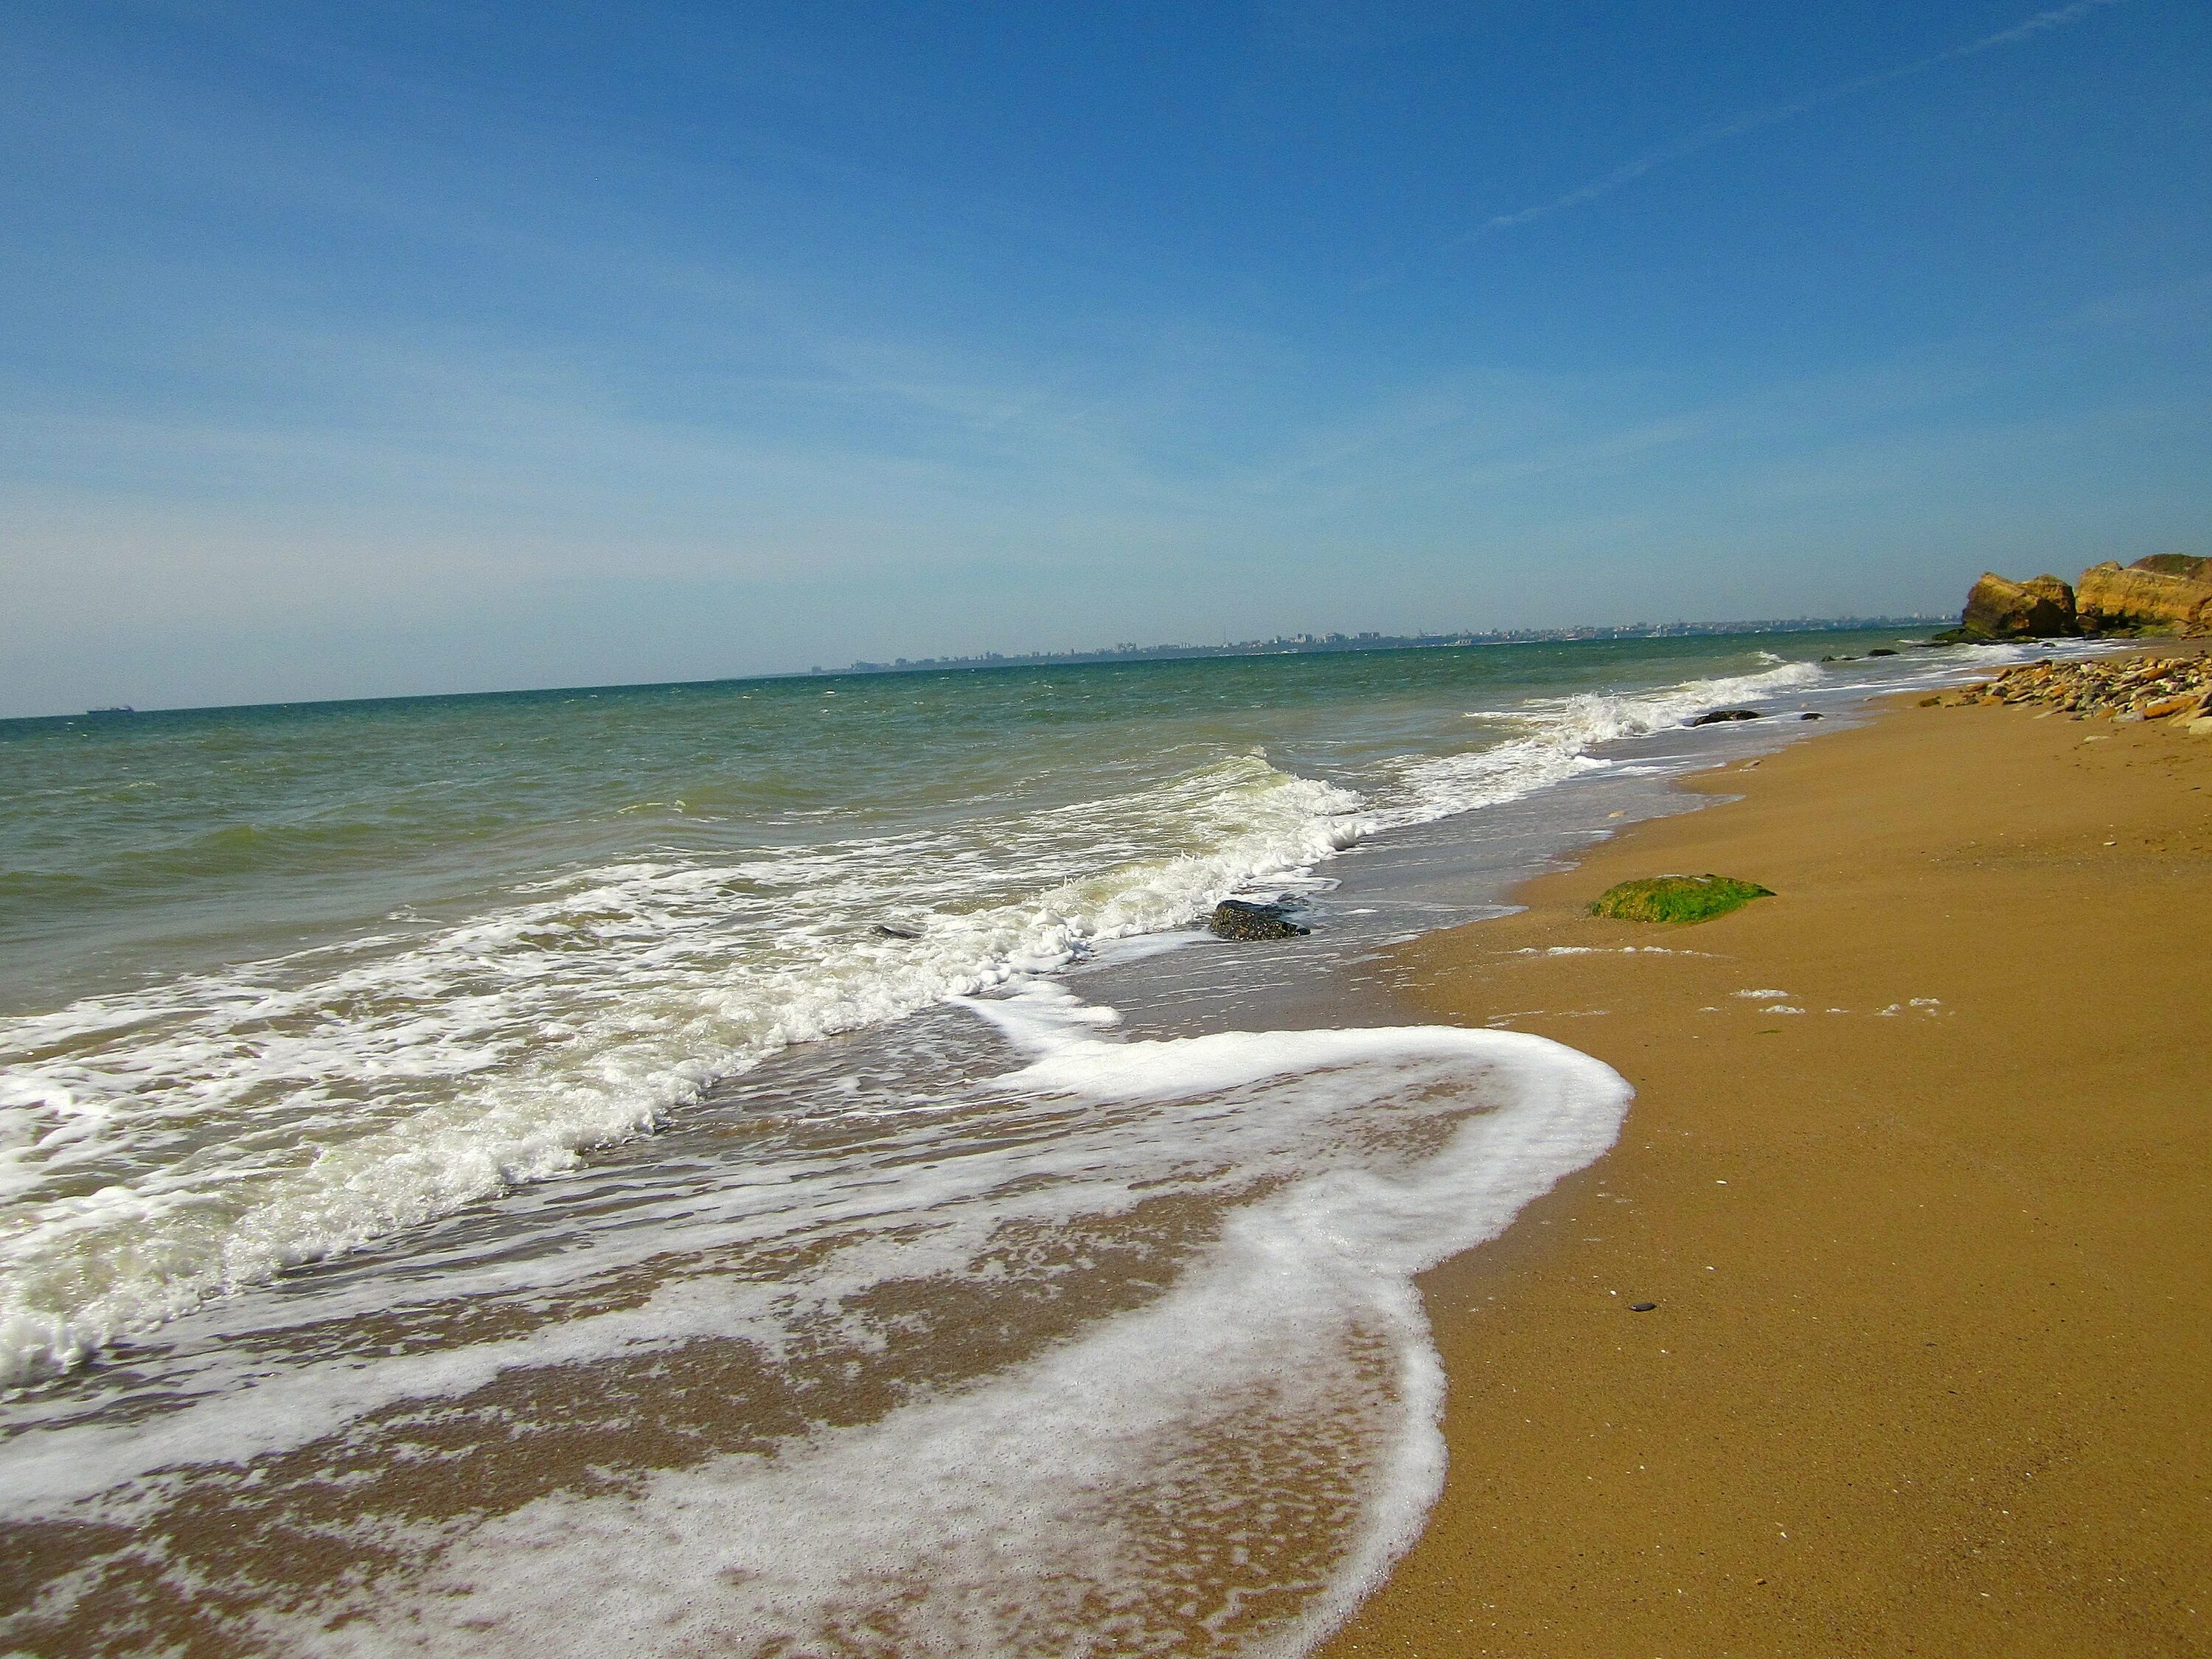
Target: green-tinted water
x=164, y=842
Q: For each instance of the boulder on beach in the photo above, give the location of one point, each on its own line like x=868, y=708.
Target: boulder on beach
x=2166, y=592
x=1720, y=715
x=1998, y=608
x=1243, y=919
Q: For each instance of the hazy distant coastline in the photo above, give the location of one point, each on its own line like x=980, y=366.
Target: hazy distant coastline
x=1292, y=644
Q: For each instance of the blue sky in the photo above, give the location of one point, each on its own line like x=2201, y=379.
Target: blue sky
x=378, y=348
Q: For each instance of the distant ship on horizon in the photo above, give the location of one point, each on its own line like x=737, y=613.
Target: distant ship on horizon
x=119, y=708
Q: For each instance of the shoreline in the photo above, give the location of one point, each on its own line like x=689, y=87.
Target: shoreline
x=547, y=1388
x=1926, y=1372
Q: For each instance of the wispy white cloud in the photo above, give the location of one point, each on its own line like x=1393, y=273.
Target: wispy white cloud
x=1774, y=115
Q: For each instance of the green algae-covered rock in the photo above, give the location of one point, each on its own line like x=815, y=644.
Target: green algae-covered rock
x=1677, y=898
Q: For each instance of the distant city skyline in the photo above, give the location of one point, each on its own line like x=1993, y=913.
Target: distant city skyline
x=1373, y=639
x=1129, y=651
x=365, y=350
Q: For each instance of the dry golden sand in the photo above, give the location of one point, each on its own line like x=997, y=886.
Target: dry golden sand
x=1931, y=1366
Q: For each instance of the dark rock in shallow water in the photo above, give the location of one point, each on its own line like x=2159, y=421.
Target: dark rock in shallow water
x=1808, y=717
x=1720, y=714
x=891, y=930
x=1881, y=651
x=1241, y=919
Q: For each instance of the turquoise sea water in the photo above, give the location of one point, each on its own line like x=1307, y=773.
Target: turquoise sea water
x=171, y=842
x=369, y=1065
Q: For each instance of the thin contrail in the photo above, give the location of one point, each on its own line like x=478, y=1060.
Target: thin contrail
x=2042, y=21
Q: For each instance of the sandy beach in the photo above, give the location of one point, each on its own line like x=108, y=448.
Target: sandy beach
x=1917, y=1176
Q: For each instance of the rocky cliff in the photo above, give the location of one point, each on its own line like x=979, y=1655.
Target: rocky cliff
x=2001, y=609
x=2167, y=593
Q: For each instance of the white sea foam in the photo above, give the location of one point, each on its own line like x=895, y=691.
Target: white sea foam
x=1608, y=950
x=1025, y=1515
x=1558, y=735
x=191, y=1138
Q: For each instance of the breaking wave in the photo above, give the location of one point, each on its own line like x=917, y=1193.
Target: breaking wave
x=184, y=1139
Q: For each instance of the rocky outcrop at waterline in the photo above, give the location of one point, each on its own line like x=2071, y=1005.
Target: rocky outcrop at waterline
x=2169, y=593
x=1998, y=608
x=2166, y=592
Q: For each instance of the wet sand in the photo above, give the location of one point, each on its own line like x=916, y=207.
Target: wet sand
x=1930, y=1369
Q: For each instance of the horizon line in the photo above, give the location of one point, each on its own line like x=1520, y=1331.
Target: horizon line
x=1337, y=644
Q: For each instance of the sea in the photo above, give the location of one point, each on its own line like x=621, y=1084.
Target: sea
x=779, y=1167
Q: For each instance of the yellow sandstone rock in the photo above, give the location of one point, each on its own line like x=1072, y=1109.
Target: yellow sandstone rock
x=2167, y=591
